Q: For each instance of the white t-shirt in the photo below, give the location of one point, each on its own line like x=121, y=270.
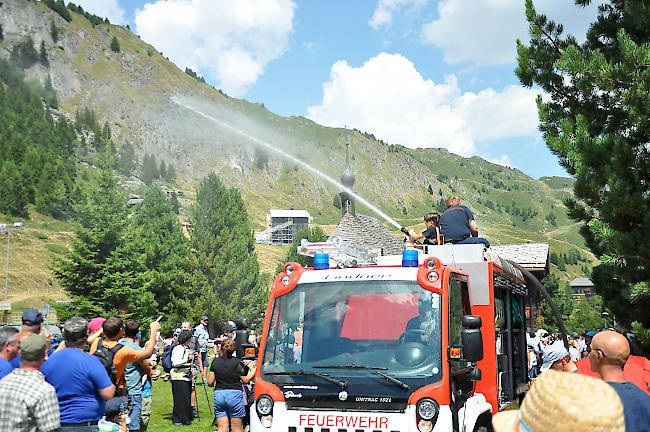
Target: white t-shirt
x=574, y=354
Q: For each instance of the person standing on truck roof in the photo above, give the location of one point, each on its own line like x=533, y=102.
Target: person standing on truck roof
x=458, y=226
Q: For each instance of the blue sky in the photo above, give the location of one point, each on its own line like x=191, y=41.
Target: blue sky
x=421, y=73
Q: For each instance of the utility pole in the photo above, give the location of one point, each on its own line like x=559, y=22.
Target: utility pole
x=5, y=306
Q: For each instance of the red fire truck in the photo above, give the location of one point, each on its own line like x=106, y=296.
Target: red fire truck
x=432, y=340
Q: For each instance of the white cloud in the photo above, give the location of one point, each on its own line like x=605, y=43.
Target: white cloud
x=383, y=14
x=231, y=41
x=388, y=97
x=484, y=32
x=110, y=9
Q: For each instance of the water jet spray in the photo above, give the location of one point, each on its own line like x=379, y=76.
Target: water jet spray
x=291, y=158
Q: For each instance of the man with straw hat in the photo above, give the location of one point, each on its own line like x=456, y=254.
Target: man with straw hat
x=552, y=404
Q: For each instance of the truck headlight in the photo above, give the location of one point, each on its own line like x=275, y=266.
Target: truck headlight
x=427, y=409
x=264, y=405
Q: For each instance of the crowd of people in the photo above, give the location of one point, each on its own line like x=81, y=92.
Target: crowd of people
x=97, y=375
x=589, y=375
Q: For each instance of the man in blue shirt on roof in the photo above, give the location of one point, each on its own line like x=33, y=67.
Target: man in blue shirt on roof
x=458, y=226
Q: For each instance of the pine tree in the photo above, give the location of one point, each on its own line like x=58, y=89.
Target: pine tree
x=222, y=239
x=126, y=159
x=596, y=121
x=586, y=315
x=38, y=152
x=115, y=44
x=24, y=54
x=51, y=193
x=552, y=284
x=441, y=206
x=106, y=131
x=54, y=32
x=149, y=169
x=100, y=226
x=175, y=204
x=171, y=172
x=43, y=55
x=165, y=255
x=59, y=7
x=14, y=198
x=162, y=171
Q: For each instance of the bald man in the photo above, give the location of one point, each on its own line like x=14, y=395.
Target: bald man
x=609, y=353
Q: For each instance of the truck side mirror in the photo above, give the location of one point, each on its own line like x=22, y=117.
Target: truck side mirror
x=472, y=321
x=471, y=338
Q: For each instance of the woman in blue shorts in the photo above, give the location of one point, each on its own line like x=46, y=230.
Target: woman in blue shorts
x=227, y=373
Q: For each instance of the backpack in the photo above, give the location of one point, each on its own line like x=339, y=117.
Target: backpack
x=166, y=357
x=105, y=356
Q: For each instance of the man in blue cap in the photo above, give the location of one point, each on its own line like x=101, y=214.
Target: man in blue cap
x=32, y=321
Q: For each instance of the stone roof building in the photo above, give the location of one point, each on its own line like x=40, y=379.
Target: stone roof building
x=531, y=256
x=366, y=232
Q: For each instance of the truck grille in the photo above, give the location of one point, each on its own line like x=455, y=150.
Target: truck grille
x=310, y=429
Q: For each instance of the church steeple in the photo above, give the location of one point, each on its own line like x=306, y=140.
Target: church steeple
x=347, y=180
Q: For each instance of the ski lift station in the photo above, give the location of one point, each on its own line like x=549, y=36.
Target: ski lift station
x=283, y=225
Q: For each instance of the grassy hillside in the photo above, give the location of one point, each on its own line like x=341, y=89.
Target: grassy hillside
x=132, y=90
x=33, y=248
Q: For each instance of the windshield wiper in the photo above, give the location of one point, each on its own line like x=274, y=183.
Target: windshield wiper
x=322, y=376
x=372, y=369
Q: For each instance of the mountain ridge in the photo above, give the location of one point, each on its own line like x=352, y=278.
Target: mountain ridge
x=132, y=90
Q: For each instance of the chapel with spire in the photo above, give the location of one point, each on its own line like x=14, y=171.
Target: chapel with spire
x=357, y=230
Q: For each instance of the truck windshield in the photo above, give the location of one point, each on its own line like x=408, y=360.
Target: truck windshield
x=393, y=326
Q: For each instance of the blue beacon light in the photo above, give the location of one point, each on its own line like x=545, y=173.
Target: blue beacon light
x=321, y=261
x=410, y=258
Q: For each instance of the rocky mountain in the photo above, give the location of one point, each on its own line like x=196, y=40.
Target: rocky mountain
x=135, y=89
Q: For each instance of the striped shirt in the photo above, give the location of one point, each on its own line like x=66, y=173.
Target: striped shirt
x=28, y=403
